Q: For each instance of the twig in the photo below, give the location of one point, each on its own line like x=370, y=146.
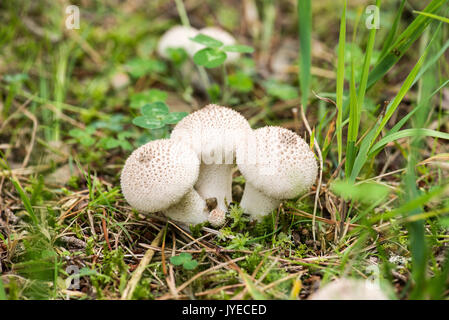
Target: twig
x=131, y=286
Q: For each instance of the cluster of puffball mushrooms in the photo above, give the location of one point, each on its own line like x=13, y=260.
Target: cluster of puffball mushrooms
x=189, y=176
x=179, y=176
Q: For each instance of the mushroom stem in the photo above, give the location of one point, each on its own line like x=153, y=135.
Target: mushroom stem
x=191, y=209
x=257, y=204
x=215, y=181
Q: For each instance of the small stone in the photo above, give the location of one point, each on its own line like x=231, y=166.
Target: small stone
x=119, y=80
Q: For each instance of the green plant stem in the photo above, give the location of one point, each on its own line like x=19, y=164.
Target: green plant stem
x=182, y=13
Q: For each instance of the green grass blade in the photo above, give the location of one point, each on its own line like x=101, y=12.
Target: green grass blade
x=433, y=16
x=392, y=32
x=366, y=65
x=403, y=43
x=25, y=200
x=2, y=291
x=362, y=156
x=401, y=123
x=415, y=132
x=340, y=80
x=305, y=55
x=353, y=125
x=391, y=108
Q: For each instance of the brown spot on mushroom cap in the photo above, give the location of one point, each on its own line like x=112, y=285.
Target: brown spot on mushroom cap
x=283, y=166
x=158, y=174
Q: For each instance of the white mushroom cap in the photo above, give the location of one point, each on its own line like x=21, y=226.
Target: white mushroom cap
x=350, y=289
x=213, y=132
x=223, y=36
x=284, y=164
x=158, y=175
x=217, y=217
x=177, y=37
x=277, y=164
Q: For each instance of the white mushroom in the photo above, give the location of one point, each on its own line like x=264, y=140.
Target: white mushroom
x=277, y=164
x=223, y=36
x=159, y=176
x=350, y=289
x=217, y=217
x=213, y=133
x=177, y=37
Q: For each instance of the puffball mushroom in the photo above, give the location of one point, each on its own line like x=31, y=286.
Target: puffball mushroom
x=350, y=289
x=277, y=164
x=159, y=176
x=213, y=132
x=177, y=37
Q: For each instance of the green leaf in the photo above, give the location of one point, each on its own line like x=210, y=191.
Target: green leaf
x=174, y=117
x=240, y=82
x=281, y=91
x=138, y=67
x=141, y=98
x=177, y=55
x=83, y=136
x=238, y=48
x=110, y=143
x=190, y=265
x=157, y=110
x=368, y=192
x=207, y=41
x=181, y=258
x=209, y=57
x=126, y=145
x=147, y=123
x=14, y=78
x=184, y=259
x=125, y=134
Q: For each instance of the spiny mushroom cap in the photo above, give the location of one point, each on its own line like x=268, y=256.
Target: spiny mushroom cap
x=213, y=132
x=158, y=174
x=277, y=162
x=223, y=36
x=177, y=37
x=217, y=217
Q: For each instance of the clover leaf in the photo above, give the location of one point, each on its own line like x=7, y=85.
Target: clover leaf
x=214, y=54
x=210, y=57
x=138, y=67
x=141, y=98
x=238, y=48
x=156, y=115
x=185, y=260
x=207, y=41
